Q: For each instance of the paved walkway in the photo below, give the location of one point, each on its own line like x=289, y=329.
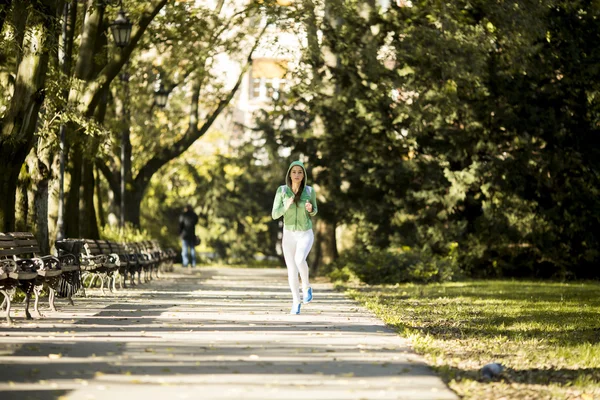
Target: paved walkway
x=215, y=333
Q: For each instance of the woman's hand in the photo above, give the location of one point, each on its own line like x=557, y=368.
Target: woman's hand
x=289, y=202
x=308, y=206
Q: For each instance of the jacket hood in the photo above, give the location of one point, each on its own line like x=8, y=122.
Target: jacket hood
x=288, y=181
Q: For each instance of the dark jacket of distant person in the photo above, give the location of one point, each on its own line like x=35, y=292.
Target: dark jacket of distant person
x=187, y=224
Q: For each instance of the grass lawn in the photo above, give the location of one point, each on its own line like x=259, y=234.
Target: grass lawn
x=547, y=335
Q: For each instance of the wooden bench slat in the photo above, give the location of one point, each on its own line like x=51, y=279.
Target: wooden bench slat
x=21, y=235
x=11, y=252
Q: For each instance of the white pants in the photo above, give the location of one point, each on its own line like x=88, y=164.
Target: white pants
x=296, y=246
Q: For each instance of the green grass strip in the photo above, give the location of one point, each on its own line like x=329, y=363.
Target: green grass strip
x=547, y=335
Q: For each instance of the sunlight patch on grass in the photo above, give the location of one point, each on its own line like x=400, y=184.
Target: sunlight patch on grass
x=547, y=335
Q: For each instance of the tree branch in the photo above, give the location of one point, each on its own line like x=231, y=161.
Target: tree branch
x=93, y=94
x=166, y=154
x=111, y=178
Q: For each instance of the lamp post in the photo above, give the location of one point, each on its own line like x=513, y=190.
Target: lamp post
x=60, y=218
x=121, y=32
x=121, y=29
x=161, y=95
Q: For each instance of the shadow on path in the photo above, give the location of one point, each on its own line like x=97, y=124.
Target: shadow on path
x=207, y=331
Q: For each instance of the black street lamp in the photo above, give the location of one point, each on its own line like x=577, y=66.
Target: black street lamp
x=121, y=32
x=121, y=29
x=161, y=95
x=125, y=143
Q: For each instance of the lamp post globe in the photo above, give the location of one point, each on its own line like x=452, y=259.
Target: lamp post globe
x=161, y=95
x=285, y=3
x=121, y=29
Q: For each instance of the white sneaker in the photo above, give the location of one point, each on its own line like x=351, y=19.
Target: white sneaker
x=295, y=308
x=307, y=295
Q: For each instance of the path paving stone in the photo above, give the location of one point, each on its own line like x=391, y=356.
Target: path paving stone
x=211, y=333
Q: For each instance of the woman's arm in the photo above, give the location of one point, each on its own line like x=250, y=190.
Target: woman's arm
x=313, y=202
x=279, y=207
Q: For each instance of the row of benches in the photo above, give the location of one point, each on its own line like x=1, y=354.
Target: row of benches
x=77, y=260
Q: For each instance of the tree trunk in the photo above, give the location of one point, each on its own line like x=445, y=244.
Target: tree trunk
x=22, y=204
x=72, y=202
x=84, y=68
x=39, y=167
x=93, y=87
x=133, y=206
x=18, y=126
x=326, y=245
x=10, y=166
x=88, y=225
x=40, y=183
x=99, y=200
x=69, y=21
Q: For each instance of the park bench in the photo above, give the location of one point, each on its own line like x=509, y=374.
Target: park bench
x=169, y=256
x=70, y=282
x=97, y=262
x=143, y=260
x=22, y=266
x=156, y=255
x=127, y=264
x=112, y=265
x=166, y=256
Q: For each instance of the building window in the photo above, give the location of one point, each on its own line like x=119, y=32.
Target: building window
x=269, y=88
x=256, y=82
x=267, y=79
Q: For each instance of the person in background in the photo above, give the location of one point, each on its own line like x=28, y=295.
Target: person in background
x=297, y=203
x=187, y=232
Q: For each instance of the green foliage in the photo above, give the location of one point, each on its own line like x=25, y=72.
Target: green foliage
x=128, y=234
x=466, y=122
x=232, y=196
x=382, y=266
x=545, y=334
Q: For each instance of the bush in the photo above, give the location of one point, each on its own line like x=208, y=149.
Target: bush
x=394, y=266
x=128, y=234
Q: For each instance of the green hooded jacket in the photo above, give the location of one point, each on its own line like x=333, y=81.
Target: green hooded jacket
x=295, y=218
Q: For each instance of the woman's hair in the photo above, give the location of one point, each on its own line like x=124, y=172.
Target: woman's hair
x=301, y=189
x=297, y=195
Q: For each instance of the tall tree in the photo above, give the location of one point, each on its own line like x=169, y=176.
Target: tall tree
x=206, y=36
x=89, y=88
x=18, y=124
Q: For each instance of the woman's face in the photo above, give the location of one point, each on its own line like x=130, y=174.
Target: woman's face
x=297, y=174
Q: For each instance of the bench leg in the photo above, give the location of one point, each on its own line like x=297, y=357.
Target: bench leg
x=27, y=287
x=92, y=280
x=124, y=280
x=27, y=301
x=37, y=291
x=101, y=284
x=7, y=302
x=110, y=284
x=51, y=296
x=84, y=275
